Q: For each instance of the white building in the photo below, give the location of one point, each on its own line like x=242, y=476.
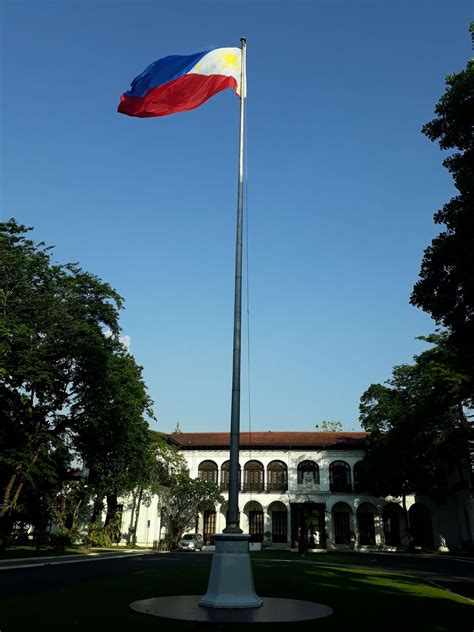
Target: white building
x=297, y=485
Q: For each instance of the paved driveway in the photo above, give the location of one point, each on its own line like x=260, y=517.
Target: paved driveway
x=52, y=576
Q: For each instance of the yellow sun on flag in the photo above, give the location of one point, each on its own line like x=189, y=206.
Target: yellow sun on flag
x=229, y=60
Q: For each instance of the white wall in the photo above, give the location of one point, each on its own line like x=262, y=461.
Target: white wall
x=448, y=520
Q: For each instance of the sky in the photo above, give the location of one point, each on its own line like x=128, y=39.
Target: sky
x=341, y=189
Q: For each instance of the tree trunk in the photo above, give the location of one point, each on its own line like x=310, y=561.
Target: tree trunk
x=7, y=503
x=177, y=532
x=132, y=516
x=407, y=521
x=7, y=493
x=96, y=513
x=135, y=527
x=110, y=526
x=405, y=511
x=5, y=530
x=97, y=509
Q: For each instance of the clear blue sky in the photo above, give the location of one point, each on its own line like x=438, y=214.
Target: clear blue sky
x=342, y=188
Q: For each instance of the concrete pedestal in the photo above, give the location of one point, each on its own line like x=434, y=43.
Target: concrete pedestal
x=186, y=608
x=231, y=580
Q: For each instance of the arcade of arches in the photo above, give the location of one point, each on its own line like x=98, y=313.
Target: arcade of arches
x=314, y=525
x=312, y=521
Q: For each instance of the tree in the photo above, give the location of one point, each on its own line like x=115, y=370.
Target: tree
x=330, y=426
x=67, y=509
x=445, y=288
x=182, y=499
x=113, y=438
x=416, y=422
x=160, y=464
x=53, y=320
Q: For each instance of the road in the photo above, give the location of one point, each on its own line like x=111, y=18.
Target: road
x=455, y=574
x=22, y=581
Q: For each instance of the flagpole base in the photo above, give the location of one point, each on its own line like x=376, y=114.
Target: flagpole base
x=231, y=580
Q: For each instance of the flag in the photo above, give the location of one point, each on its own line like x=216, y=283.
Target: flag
x=182, y=82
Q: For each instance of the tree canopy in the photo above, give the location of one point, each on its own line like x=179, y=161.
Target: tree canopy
x=445, y=288
x=330, y=426
x=68, y=386
x=420, y=419
x=417, y=421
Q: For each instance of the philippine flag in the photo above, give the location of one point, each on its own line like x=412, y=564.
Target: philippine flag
x=182, y=82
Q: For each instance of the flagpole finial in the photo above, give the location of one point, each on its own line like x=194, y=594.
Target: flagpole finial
x=244, y=41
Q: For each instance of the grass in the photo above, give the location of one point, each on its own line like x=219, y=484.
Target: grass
x=345, y=558
x=362, y=599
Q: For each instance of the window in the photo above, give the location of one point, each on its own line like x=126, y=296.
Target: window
x=391, y=527
x=279, y=526
x=256, y=526
x=340, y=477
x=207, y=471
x=209, y=526
x=342, y=529
x=225, y=476
x=253, y=477
x=277, y=477
x=366, y=527
x=308, y=473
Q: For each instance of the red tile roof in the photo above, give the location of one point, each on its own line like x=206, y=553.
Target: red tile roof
x=270, y=439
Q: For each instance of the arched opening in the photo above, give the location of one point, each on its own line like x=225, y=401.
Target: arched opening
x=278, y=515
x=253, y=476
x=224, y=510
x=225, y=476
x=308, y=473
x=207, y=471
x=420, y=525
x=277, y=477
x=341, y=519
x=366, y=514
x=254, y=512
x=308, y=525
x=392, y=515
x=209, y=520
x=340, y=477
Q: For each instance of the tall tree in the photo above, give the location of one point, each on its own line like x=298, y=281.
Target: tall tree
x=445, y=288
x=53, y=320
x=417, y=422
x=182, y=498
x=157, y=471
x=113, y=436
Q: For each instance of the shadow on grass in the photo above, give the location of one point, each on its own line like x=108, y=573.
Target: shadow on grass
x=361, y=599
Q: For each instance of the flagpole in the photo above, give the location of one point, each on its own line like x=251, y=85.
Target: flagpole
x=231, y=579
x=232, y=522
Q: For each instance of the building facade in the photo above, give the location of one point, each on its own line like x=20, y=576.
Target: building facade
x=304, y=489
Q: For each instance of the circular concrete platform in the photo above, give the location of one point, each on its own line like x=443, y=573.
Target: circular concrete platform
x=187, y=608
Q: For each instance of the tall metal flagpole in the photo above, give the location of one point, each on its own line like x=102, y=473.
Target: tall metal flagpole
x=232, y=522
x=231, y=580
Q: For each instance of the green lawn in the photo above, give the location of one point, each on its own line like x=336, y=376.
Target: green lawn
x=362, y=599
x=344, y=558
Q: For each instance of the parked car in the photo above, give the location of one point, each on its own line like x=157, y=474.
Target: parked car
x=191, y=542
